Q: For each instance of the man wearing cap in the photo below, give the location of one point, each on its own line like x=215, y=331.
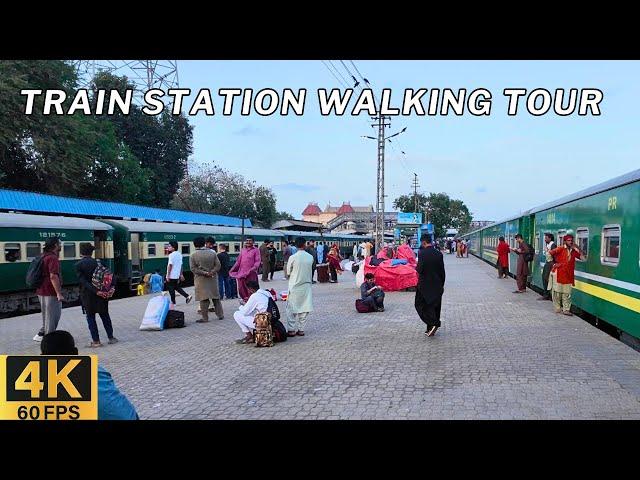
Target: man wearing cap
x=561, y=280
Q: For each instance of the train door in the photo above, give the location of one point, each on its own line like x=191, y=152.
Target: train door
x=100, y=244
x=135, y=252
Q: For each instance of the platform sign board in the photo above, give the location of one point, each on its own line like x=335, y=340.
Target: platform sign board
x=409, y=218
x=428, y=227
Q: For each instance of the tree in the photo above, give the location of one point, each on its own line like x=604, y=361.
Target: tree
x=284, y=216
x=406, y=203
x=38, y=151
x=440, y=210
x=212, y=189
x=161, y=144
x=134, y=158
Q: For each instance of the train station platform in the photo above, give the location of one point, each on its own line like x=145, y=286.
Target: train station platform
x=497, y=356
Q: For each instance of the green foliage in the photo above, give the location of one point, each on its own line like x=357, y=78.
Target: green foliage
x=37, y=150
x=161, y=144
x=406, y=203
x=440, y=210
x=215, y=190
x=284, y=216
x=135, y=158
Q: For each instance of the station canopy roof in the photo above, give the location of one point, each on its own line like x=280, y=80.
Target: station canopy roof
x=32, y=202
x=300, y=225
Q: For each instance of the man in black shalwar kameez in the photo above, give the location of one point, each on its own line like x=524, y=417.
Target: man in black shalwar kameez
x=431, y=279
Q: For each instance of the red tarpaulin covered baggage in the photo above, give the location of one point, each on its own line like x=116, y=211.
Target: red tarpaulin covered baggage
x=390, y=278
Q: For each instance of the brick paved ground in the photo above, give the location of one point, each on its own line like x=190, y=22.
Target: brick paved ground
x=497, y=356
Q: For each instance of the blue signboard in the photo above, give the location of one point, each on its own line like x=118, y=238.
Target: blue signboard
x=409, y=218
x=428, y=227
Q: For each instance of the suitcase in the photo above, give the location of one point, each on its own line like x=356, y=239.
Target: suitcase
x=323, y=272
x=175, y=319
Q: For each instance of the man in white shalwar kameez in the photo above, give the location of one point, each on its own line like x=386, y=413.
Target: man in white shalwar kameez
x=299, y=301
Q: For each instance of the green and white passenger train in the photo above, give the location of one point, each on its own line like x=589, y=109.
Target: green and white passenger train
x=129, y=248
x=605, y=221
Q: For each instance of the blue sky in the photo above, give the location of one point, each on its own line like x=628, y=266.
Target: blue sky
x=498, y=165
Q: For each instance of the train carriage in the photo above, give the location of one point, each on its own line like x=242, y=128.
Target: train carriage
x=141, y=247
x=605, y=222
x=22, y=239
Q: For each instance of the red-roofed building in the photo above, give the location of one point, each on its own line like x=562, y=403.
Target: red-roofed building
x=312, y=210
x=345, y=208
x=313, y=213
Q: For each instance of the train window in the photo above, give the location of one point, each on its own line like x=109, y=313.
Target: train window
x=582, y=240
x=236, y=247
x=277, y=244
x=151, y=250
x=33, y=250
x=12, y=252
x=186, y=249
x=537, y=247
x=611, y=244
x=561, y=234
x=69, y=250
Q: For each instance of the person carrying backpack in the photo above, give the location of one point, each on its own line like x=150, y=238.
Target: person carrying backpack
x=44, y=275
x=95, y=290
x=525, y=255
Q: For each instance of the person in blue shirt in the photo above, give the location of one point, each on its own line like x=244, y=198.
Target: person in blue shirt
x=112, y=403
x=157, y=282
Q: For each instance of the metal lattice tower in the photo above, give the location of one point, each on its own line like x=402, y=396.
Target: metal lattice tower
x=144, y=74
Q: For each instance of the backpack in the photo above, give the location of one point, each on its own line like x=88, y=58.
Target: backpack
x=362, y=307
x=102, y=278
x=279, y=331
x=529, y=255
x=273, y=310
x=34, y=276
x=264, y=334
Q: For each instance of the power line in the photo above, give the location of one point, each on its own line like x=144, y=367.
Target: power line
x=346, y=82
x=334, y=75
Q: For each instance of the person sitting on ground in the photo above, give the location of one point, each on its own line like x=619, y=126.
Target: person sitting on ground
x=112, y=403
x=258, y=302
x=372, y=295
x=157, y=282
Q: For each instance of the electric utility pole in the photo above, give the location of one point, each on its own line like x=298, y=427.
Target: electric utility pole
x=379, y=226
x=415, y=192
